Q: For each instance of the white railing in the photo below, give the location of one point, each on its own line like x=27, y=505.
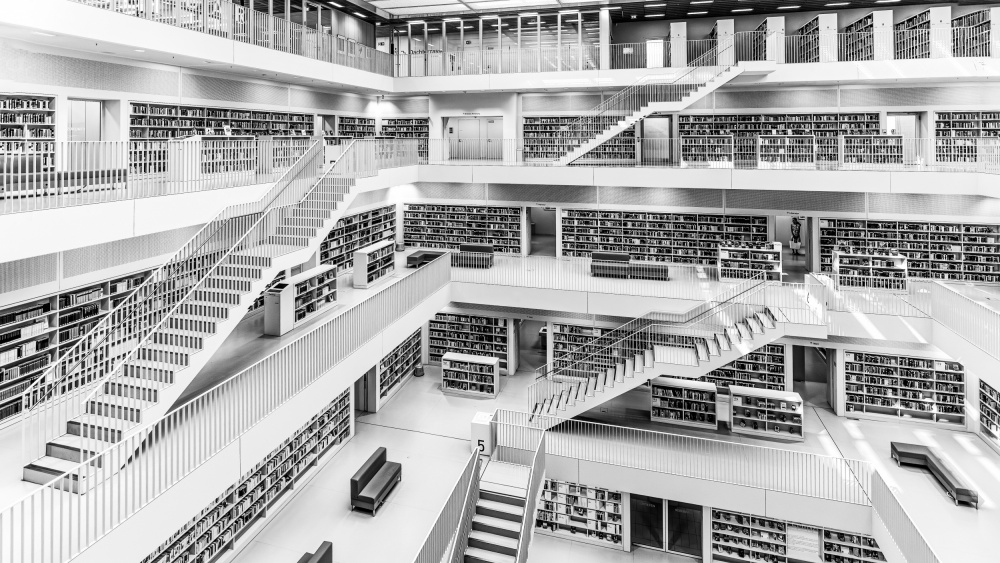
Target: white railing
x=441, y=538
x=536, y=474
x=888, y=45
x=506, y=60
x=966, y=317
x=938, y=154
x=54, y=523
x=223, y=18
x=81, y=173
x=905, y=534
x=870, y=296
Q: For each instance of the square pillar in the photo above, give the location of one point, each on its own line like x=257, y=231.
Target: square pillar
x=827, y=38
x=883, y=36
x=678, y=44
x=941, y=32
x=775, y=45
x=726, y=46
x=604, y=31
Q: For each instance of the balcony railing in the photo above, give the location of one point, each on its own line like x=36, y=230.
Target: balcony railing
x=225, y=19
x=888, y=45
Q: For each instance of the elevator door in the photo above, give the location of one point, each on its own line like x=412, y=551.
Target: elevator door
x=469, y=139
x=647, y=521
x=494, y=139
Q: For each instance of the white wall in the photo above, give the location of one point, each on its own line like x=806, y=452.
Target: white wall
x=503, y=105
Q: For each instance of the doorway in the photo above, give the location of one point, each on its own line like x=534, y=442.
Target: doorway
x=542, y=229
x=908, y=126
x=684, y=528
x=475, y=138
x=86, y=120
x=811, y=375
x=794, y=262
x=656, y=143
x=365, y=390
x=647, y=521
x=533, y=340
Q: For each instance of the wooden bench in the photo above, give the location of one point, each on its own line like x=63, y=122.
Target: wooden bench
x=323, y=555
x=374, y=481
x=914, y=454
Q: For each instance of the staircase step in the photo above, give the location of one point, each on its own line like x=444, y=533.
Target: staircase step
x=201, y=308
x=94, y=427
x=166, y=354
x=702, y=349
x=754, y=325
x=237, y=271
x=287, y=240
x=296, y=231
x=765, y=320
x=229, y=283
x=639, y=362
x=496, y=496
x=134, y=388
x=620, y=372
x=193, y=323
x=312, y=213
x=47, y=468
x=678, y=355
x=647, y=357
x=713, y=345
x=147, y=369
x=173, y=337
x=68, y=447
x=498, y=526
x=744, y=331
x=493, y=542
x=500, y=510
x=476, y=555
x=297, y=220
x=722, y=341
x=120, y=408
x=221, y=296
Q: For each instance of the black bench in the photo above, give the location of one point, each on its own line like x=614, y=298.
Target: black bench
x=421, y=257
x=649, y=270
x=473, y=256
x=913, y=454
x=323, y=555
x=609, y=264
x=374, y=481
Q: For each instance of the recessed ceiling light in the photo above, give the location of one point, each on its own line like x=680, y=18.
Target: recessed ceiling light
x=702, y=1
x=42, y=33
x=336, y=4
x=433, y=29
x=655, y=5
x=885, y=1
x=788, y=7
x=697, y=13
x=140, y=50
x=743, y=10
x=415, y=21
x=657, y=15
x=838, y=4
x=360, y=15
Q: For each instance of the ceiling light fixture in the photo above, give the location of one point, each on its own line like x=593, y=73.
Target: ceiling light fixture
x=788, y=7
x=336, y=4
x=697, y=13
x=43, y=34
x=885, y=1
x=140, y=50
x=742, y=10
x=837, y=4
x=655, y=5
x=702, y=1
x=360, y=15
x=655, y=15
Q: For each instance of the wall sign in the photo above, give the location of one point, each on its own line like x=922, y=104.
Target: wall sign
x=803, y=543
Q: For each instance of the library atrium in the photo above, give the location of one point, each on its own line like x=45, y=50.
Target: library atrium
x=499, y=281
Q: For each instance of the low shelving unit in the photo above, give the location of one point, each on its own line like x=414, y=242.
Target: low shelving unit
x=906, y=387
x=766, y=413
x=712, y=151
x=469, y=375
x=684, y=402
x=373, y=264
x=870, y=269
x=740, y=260
x=764, y=368
x=871, y=149
x=473, y=334
x=589, y=514
x=290, y=302
x=781, y=151
x=28, y=129
x=357, y=231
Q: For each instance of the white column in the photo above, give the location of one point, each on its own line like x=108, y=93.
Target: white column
x=884, y=38
x=558, y=42
x=776, y=39
x=995, y=32
x=726, y=50
x=941, y=32
x=549, y=347
x=604, y=22
x=827, y=38
x=559, y=244
x=678, y=44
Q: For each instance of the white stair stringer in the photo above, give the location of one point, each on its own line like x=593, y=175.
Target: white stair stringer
x=579, y=394
x=135, y=394
x=649, y=109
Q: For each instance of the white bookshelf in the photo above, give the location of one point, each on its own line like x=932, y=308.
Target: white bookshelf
x=871, y=268
x=764, y=368
x=28, y=129
x=871, y=149
x=581, y=513
x=741, y=260
x=357, y=231
x=292, y=301
x=355, y=127
x=906, y=387
x=397, y=367
x=711, y=151
x=913, y=36
x=470, y=375
x=971, y=34
x=473, y=334
x=766, y=413
x=449, y=226
x=373, y=263
x=779, y=151
x=572, y=347
x=683, y=402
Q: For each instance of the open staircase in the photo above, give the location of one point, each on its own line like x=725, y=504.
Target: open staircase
x=496, y=525
x=132, y=367
x=649, y=95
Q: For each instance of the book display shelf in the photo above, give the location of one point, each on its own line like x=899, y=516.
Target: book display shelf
x=778, y=151
x=970, y=34
x=857, y=267
x=989, y=412
x=683, y=402
x=397, y=366
x=741, y=260
x=713, y=151
x=472, y=334
x=450, y=226
x=28, y=128
x=218, y=527
x=582, y=513
x=766, y=413
x=913, y=37
x=808, y=42
x=858, y=40
x=740, y=537
x=907, y=387
x=681, y=238
x=871, y=149
x=548, y=138
x=470, y=375
x=258, y=303
x=764, y=368
x=373, y=264
x=36, y=332
x=946, y=251
x=290, y=302
x=572, y=344
x=357, y=231
x=957, y=135
x=745, y=128
x=356, y=127
x=409, y=128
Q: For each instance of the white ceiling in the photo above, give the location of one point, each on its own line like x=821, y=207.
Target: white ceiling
x=432, y=7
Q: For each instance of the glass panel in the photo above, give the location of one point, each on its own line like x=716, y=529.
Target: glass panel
x=549, y=40
x=491, y=45
x=570, y=33
x=591, y=41
x=647, y=521
x=684, y=528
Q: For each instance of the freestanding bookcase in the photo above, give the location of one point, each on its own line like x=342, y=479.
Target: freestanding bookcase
x=684, y=402
x=744, y=260
x=373, y=263
x=766, y=414
x=292, y=301
x=471, y=376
